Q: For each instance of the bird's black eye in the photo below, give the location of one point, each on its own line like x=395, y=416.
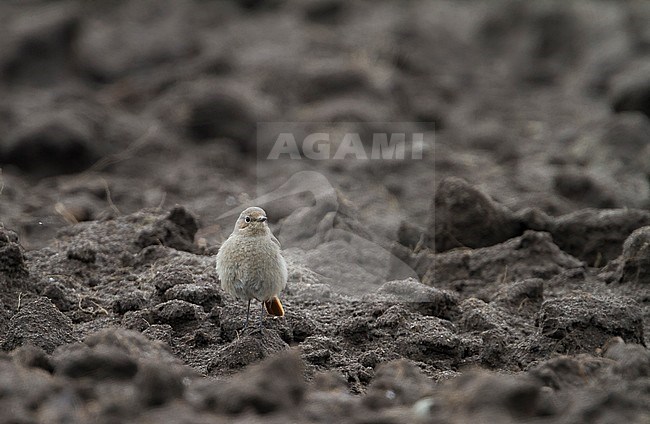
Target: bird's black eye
x=247, y=219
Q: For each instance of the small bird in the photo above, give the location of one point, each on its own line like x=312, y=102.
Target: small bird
x=250, y=264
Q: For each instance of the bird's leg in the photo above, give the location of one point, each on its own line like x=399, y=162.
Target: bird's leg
x=263, y=310
x=248, y=313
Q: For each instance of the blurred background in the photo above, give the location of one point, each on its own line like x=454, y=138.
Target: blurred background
x=107, y=107
x=537, y=118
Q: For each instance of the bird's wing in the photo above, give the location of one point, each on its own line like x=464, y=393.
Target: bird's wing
x=275, y=240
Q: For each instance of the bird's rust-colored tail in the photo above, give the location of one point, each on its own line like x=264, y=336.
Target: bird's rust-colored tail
x=274, y=307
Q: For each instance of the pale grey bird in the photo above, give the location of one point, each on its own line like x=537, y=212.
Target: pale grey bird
x=250, y=264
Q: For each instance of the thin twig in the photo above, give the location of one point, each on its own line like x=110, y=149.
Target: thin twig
x=88, y=311
x=101, y=308
x=599, y=258
x=2, y=182
x=109, y=199
x=419, y=244
x=68, y=216
x=162, y=201
x=504, y=275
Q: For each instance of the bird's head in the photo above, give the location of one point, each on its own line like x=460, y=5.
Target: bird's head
x=252, y=222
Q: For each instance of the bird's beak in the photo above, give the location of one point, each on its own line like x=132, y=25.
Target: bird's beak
x=262, y=219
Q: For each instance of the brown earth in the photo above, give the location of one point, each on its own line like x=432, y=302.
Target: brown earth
x=504, y=277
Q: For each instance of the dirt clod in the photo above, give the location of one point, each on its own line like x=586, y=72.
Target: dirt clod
x=461, y=191
x=40, y=323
